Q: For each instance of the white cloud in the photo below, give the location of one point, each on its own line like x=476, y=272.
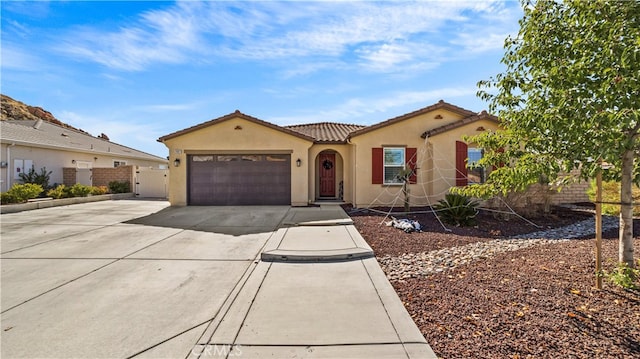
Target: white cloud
x=367, y=111
x=376, y=37
x=138, y=135
x=14, y=58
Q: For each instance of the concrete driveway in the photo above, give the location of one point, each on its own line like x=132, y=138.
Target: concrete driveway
x=133, y=278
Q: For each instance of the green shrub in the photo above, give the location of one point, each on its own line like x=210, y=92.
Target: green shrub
x=611, y=193
x=32, y=176
x=6, y=198
x=80, y=190
x=119, y=187
x=457, y=210
x=19, y=193
x=61, y=191
x=98, y=190
x=624, y=276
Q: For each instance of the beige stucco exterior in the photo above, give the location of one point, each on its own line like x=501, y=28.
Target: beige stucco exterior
x=344, y=169
x=241, y=134
x=435, y=158
x=237, y=136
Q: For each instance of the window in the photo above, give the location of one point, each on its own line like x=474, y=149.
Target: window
x=202, y=158
x=388, y=163
x=475, y=173
x=393, y=165
x=118, y=163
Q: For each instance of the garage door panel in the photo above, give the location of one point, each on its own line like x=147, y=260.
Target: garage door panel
x=239, y=180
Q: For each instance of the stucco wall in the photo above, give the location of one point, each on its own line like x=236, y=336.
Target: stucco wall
x=435, y=158
x=238, y=135
x=56, y=160
x=344, y=167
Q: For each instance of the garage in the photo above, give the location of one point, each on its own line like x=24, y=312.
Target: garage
x=239, y=179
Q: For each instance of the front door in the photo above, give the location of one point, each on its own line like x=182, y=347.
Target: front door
x=327, y=170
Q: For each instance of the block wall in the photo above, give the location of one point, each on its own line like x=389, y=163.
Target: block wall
x=102, y=176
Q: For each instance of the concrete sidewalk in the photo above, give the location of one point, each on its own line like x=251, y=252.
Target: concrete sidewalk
x=320, y=294
x=131, y=278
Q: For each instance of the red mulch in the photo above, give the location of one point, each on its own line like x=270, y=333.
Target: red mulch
x=538, y=302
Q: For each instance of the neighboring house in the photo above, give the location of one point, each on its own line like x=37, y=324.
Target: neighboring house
x=74, y=157
x=241, y=160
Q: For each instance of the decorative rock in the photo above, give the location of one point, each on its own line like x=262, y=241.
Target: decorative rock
x=415, y=265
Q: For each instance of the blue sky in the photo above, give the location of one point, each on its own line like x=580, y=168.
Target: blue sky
x=140, y=70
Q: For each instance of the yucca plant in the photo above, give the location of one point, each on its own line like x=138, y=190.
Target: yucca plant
x=457, y=210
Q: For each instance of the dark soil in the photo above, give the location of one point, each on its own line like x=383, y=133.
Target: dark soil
x=387, y=240
x=538, y=302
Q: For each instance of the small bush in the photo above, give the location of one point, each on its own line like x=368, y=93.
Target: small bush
x=61, y=191
x=6, y=198
x=457, y=210
x=80, y=190
x=98, y=190
x=119, y=187
x=624, y=276
x=19, y=193
x=32, y=176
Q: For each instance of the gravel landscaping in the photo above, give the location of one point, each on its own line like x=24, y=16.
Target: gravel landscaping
x=509, y=289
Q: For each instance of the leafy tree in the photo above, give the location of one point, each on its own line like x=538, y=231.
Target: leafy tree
x=568, y=100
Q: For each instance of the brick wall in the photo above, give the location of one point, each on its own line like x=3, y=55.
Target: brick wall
x=537, y=196
x=102, y=176
x=69, y=176
x=573, y=193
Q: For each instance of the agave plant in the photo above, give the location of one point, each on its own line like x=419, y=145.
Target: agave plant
x=457, y=210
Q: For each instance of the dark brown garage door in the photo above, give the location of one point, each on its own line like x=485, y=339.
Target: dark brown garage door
x=225, y=180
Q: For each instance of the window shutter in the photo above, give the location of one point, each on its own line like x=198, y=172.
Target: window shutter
x=411, y=157
x=377, y=169
x=461, y=163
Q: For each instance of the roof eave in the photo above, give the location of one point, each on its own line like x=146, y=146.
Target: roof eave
x=437, y=106
x=465, y=121
x=236, y=114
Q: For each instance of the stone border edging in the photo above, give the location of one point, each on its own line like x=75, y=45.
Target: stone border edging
x=20, y=207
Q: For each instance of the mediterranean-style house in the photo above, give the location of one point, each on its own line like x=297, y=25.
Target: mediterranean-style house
x=237, y=159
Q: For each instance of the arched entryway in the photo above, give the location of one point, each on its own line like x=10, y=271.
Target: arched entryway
x=329, y=172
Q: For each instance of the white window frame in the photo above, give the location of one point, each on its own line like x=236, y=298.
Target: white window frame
x=119, y=163
x=386, y=165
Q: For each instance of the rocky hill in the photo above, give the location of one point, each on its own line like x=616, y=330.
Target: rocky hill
x=11, y=109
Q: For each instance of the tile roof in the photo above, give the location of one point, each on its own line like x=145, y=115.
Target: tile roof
x=331, y=132
x=49, y=135
x=481, y=116
x=326, y=132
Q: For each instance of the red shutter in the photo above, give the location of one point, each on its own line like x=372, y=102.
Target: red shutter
x=501, y=164
x=461, y=163
x=377, y=169
x=411, y=157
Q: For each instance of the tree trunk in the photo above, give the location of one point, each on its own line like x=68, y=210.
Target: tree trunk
x=626, y=210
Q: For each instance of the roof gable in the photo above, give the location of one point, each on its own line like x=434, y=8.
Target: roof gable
x=438, y=106
x=234, y=115
x=465, y=121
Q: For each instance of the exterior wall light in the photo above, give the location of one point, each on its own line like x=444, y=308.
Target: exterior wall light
x=298, y=162
x=176, y=162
